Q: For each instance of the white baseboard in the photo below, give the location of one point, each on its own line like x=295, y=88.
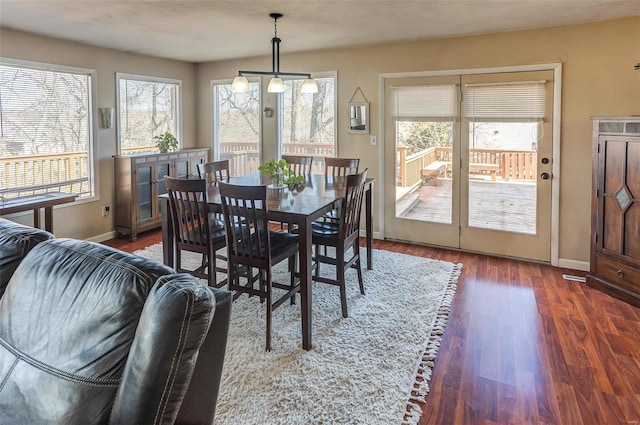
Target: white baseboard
x=103, y=237
x=573, y=264
x=376, y=235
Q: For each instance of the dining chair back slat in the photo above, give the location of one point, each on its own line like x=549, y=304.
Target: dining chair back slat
x=340, y=166
x=300, y=165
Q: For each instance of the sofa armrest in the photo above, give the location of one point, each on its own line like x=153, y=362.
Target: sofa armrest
x=174, y=323
x=199, y=404
x=16, y=240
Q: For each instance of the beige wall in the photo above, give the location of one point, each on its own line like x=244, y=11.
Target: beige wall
x=84, y=220
x=598, y=79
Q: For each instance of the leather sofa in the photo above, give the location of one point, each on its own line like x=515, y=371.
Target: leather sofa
x=93, y=335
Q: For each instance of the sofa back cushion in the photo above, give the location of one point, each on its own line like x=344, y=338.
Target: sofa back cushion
x=16, y=240
x=68, y=319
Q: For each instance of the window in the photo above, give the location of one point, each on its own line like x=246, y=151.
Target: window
x=46, y=129
x=308, y=125
x=236, y=127
x=147, y=107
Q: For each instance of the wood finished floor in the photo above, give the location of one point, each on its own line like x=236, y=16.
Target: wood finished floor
x=524, y=346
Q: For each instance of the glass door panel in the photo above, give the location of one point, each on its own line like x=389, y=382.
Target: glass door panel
x=502, y=176
x=145, y=194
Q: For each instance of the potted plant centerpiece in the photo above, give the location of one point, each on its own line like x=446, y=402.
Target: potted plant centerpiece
x=280, y=174
x=166, y=142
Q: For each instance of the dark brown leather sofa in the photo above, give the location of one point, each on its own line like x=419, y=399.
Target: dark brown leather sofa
x=93, y=335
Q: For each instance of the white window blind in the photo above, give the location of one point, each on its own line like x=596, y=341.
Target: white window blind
x=45, y=130
x=429, y=102
x=519, y=101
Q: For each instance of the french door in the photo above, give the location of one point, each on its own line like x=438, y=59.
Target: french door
x=468, y=162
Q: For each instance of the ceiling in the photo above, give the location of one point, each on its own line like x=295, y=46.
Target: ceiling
x=211, y=30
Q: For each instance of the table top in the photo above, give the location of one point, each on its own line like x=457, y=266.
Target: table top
x=43, y=200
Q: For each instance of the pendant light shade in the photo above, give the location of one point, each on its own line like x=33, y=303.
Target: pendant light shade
x=276, y=85
x=240, y=84
x=309, y=86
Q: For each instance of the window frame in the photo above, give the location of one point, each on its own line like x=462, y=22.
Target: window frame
x=148, y=79
x=93, y=171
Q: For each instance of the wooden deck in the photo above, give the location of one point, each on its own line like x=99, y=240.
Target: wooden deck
x=500, y=205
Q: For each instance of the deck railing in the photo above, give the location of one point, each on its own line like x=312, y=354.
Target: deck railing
x=68, y=172
x=32, y=174
x=244, y=157
x=512, y=164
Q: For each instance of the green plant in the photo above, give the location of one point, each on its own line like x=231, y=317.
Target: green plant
x=280, y=173
x=166, y=142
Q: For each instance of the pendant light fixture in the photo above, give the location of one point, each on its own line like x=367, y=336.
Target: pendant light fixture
x=276, y=85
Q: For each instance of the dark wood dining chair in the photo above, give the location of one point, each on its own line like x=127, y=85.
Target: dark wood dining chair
x=214, y=172
x=194, y=228
x=252, y=245
x=343, y=235
x=300, y=165
x=340, y=166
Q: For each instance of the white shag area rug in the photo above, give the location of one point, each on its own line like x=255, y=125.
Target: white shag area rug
x=371, y=368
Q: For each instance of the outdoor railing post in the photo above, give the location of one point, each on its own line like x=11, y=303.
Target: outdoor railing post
x=402, y=150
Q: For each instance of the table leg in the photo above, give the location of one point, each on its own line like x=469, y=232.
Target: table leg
x=48, y=219
x=167, y=233
x=304, y=254
x=36, y=218
x=369, y=225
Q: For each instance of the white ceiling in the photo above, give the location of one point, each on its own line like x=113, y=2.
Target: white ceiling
x=210, y=30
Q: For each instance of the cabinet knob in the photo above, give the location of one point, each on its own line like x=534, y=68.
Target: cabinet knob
x=620, y=273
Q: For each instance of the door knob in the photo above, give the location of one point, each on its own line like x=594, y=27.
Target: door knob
x=545, y=160
x=544, y=176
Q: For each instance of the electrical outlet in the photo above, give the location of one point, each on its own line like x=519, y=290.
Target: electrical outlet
x=374, y=140
x=105, y=211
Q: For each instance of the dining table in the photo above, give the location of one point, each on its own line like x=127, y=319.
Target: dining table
x=299, y=206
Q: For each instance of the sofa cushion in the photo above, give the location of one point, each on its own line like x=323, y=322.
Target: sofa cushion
x=16, y=240
x=67, y=323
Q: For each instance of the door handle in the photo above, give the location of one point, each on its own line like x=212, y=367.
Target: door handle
x=544, y=176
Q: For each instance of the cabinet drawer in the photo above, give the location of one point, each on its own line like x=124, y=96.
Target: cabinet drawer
x=618, y=274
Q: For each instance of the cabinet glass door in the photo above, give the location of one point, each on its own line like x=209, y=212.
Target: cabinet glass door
x=145, y=193
x=182, y=168
x=162, y=170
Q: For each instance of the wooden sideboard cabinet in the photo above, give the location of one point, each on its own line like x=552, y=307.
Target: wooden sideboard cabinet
x=139, y=179
x=615, y=208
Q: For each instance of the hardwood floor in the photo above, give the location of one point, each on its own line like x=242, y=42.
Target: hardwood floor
x=524, y=346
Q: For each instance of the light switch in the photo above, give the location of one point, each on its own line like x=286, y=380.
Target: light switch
x=374, y=140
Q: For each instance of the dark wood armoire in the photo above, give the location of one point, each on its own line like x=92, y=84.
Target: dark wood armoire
x=615, y=208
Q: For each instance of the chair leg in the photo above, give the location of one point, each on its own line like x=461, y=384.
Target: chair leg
x=292, y=272
x=317, y=261
x=340, y=271
x=359, y=267
x=269, y=310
